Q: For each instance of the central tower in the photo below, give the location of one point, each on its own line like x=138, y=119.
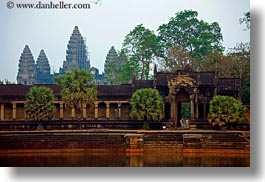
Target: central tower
x=76, y=53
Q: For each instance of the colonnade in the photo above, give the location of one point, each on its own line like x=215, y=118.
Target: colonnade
x=62, y=109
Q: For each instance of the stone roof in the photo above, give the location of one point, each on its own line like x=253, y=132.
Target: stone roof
x=22, y=90
x=138, y=84
x=226, y=85
x=206, y=78
x=114, y=90
x=162, y=78
x=19, y=91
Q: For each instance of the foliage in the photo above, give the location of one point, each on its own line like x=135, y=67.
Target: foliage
x=240, y=63
x=236, y=64
x=130, y=68
x=77, y=88
x=177, y=58
x=121, y=74
x=197, y=37
x=226, y=110
x=40, y=103
x=147, y=105
x=111, y=72
x=141, y=46
x=6, y=82
x=245, y=20
x=185, y=110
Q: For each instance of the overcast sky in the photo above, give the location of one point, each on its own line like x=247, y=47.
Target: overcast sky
x=103, y=26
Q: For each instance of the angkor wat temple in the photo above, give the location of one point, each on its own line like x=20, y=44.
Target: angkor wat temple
x=182, y=86
x=77, y=57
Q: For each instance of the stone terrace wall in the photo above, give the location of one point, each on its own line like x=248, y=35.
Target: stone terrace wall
x=126, y=141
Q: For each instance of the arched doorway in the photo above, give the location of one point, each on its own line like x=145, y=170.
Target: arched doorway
x=183, y=105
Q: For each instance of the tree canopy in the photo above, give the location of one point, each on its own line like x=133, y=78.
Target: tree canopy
x=121, y=74
x=140, y=46
x=245, y=20
x=196, y=36
x=186, y=40
x=40, y=103
x=77, y=88
x=226, y=110
x=147, y=104
x=176, y=58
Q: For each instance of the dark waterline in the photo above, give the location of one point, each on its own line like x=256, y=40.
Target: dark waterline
x=123, y=160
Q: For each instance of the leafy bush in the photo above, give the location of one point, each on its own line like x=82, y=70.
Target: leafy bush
x=147, y=105
x=40, y=103
x=225, y=110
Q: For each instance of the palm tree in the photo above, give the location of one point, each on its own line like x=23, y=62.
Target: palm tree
x=40, y=103
x=77, y=89
x=147, y=105
x=226, y=111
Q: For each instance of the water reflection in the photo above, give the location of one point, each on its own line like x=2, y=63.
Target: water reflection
x=123, y=160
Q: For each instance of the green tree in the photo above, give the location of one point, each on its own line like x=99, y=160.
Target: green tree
x=6, y=82
x=112, y=72
x=235, y=64
x=226, y=110
x=40, y=103
x=121, y=74
x=141, y=46
x=77, y=89
x=147, y=104
x=177, y=58
x=245, y=20
x=240, y=63
x=197, y=37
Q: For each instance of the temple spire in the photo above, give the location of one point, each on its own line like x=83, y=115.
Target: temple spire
x=26, y=68
x=76, y=53
x=112, y=56
x=43, y=70
x=115, y=61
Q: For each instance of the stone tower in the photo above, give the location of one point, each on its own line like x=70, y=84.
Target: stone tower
x=43, y=70
x=76, y=53
x=112, y=56
x=117, y=61
x=26, y=68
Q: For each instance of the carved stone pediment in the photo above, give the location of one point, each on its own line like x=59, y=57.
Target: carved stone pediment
x=181, y=80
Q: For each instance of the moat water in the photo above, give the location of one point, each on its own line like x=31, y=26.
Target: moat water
x=124, y=160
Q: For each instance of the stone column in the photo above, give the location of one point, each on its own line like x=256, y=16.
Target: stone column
x=197, y=107
x=96, y=110
x=107, y=110
x=73, y=113
x=163, y=111
x=119, y=109
x=176, y=114
x=25, y=113
x=2, y=112
x=192, y=106
x=173, y=108
x=195, y=90
x=204, y=110
x=84, y=111
x=61, y=110
x=14, y=115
